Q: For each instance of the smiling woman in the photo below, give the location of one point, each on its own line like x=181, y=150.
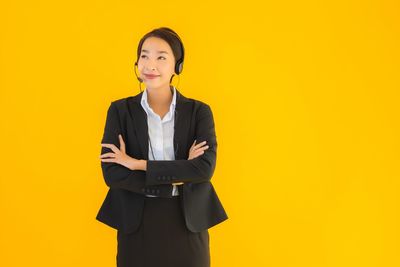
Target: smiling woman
x=158, y=156
x=162, y=51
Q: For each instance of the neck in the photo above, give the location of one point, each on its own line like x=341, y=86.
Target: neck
x=160, y=96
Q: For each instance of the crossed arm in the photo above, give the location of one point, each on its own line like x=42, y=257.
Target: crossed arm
x=159, y=174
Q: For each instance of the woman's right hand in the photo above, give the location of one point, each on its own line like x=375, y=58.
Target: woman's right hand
x=197, y=150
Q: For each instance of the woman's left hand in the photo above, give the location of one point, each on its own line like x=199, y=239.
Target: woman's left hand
x=119, y=156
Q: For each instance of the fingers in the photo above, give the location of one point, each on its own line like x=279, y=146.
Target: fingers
x=192, y=145
x=109, y=160
x=122, y=143
x=198, y=145
x=197, y=150
x=201, y=149
x=195, y=153
x=107, y=155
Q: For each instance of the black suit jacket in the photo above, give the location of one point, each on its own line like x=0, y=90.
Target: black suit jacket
x=123, y=205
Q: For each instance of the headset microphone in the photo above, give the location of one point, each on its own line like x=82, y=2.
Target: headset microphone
x=139, y=79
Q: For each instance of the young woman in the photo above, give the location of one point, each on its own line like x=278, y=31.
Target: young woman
x=158, y=156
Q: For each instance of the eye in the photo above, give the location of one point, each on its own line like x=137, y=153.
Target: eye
x=142, y=56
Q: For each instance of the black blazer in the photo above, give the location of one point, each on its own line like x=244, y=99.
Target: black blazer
x=123, y=205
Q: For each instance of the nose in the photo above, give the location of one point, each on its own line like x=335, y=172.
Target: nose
x=150, y=68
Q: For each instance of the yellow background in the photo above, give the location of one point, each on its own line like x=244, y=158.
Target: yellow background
x=305, y=96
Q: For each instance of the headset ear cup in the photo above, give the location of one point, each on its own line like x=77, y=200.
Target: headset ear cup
x=178, y=67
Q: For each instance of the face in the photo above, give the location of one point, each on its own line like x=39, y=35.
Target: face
x=156, y=58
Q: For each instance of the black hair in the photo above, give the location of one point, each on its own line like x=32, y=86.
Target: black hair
x=172, y=38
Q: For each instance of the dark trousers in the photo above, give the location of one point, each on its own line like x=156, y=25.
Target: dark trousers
x=163, y=239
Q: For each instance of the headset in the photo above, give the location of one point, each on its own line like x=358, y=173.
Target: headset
x=179, y=63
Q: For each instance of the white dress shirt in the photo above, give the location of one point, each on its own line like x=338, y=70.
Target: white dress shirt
x=161, y=133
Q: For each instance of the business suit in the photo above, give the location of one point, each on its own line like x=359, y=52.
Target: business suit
x=122, y=208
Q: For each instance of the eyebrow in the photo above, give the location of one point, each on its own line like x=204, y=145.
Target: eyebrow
x=160, y=52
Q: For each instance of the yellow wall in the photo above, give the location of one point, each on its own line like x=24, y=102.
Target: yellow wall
x=305, y=96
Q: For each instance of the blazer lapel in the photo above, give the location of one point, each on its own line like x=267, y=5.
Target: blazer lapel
x=183, y=114
x=181, y=124
x=139, y=117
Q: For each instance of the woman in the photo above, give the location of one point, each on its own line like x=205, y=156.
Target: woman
x=161, y=200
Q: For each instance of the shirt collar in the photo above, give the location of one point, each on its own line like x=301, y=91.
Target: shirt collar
x=146, y=106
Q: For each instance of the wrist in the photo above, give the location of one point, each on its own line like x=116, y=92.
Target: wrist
x=143, y=164
x=139, y=164
x=132, y=165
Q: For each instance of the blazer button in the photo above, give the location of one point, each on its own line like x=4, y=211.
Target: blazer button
x=143, y=190
x=163, y=178
x=158, y=178
x=158, y=191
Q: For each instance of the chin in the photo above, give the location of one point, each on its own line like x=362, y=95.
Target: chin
x=156, y=84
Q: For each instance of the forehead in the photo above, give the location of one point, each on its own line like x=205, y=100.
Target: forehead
x=156, y=45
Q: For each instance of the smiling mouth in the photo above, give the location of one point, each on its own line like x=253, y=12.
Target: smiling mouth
x=151, y=76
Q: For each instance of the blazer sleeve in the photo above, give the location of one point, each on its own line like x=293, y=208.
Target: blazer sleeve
x=199, y=169
x=118, y=176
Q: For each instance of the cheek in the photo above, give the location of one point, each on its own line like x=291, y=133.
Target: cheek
x=168, y=68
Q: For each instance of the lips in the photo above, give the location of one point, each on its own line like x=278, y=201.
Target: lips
x=151, y=76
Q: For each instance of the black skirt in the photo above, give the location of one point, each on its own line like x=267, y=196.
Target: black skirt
x=163, y=239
